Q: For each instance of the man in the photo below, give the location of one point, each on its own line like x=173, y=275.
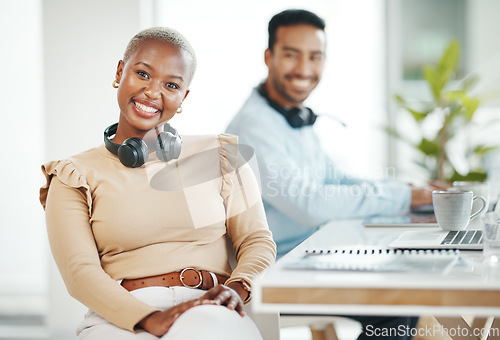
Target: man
x=301, y=188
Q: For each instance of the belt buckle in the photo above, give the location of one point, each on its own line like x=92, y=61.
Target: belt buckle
x=181, y=277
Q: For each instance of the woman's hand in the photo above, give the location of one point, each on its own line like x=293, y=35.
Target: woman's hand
x=225, y=296
x=158, y=323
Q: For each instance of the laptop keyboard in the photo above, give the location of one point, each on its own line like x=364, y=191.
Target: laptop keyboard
x=464, y=237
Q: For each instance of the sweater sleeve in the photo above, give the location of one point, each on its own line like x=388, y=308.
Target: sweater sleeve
x=67, y=200
x=246, y=222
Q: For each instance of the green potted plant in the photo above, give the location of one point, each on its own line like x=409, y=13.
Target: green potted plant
x=455, y=109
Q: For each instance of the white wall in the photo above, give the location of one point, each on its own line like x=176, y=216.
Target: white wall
x=83, y=41
x=22, y=234
x=484, y=45
x=484, y=56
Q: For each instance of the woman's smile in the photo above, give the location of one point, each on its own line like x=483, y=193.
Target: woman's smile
x=146, y=110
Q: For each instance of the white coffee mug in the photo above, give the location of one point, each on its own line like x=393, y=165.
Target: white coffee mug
x=478, y=189
x=453, y=208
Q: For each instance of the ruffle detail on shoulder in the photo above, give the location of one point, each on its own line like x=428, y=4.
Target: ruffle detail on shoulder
x=68, y=174
x=228, y=156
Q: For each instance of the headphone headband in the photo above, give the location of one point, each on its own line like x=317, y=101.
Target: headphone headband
x=110, y=145
x=297, y=117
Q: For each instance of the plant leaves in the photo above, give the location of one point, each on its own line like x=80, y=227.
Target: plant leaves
x=480, y=150
x=430, y=74
x=449, y=60
x=460, y=99
x=418, y=116
x=454, y=95
x=438, y=77
x=454, y=109
x=469, y=82
x=400, y=100
x=428, y=147
x=470, y=105
x=473, y=176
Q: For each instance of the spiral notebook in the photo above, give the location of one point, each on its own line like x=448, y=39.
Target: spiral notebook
x=377, y=259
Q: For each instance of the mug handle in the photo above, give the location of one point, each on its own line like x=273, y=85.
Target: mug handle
x=481, y=209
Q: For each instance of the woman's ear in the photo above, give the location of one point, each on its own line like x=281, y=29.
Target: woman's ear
x=187, y=92
x=119, y=71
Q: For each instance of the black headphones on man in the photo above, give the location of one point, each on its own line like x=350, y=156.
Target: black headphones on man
x=133, y=152
x=297, y=117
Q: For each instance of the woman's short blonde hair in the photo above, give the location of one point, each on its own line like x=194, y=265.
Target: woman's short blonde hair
x=165, y=34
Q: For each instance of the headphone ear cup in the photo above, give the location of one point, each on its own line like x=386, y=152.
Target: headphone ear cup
x=133, y=152
x=294, y=117
x=169, y=146
x=299, y=117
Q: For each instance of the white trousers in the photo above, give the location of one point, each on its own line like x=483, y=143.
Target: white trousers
x=201, y=322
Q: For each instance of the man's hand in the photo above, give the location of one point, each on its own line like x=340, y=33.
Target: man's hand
x=423, y=195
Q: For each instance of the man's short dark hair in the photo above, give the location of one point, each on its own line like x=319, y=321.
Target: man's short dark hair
x=291, y=17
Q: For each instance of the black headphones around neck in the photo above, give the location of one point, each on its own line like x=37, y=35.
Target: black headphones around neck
x=133, y=152
x=297, y=117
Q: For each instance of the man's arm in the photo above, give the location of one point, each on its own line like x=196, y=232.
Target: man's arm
x=303, y=195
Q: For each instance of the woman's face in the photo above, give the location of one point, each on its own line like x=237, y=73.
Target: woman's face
x=152, y=85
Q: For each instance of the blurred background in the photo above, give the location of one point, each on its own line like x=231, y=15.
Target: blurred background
x=59, y=59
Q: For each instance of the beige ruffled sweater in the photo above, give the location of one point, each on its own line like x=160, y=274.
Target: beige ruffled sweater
x=107, y=222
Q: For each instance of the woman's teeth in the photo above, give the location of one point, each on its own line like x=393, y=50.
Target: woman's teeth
x=145, y=108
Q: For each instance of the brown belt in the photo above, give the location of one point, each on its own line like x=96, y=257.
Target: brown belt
x=188, y=277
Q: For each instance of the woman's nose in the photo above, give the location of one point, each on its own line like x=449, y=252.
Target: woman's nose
x=152, y=90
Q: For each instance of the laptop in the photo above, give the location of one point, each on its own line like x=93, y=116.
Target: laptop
x=468, y=239
x=408, y=220
x=421, y=216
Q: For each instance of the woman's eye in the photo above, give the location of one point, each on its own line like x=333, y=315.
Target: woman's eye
x=143, y=74
x=172, y=86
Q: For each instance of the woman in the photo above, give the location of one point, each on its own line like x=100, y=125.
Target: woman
x=151, y=260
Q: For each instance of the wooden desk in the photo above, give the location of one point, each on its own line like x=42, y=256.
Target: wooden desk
x=468, y=289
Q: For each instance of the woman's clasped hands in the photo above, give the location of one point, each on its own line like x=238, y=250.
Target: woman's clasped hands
x=158, y=323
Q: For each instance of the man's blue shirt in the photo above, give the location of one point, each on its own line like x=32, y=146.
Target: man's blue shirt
x=301, y=187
